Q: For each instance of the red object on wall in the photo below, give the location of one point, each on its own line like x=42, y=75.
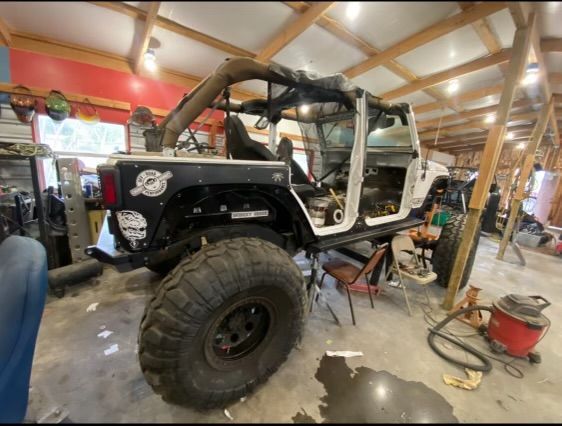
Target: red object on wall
x=37, y=70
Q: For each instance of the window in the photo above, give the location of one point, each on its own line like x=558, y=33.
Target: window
x=397, y=134
x=90, y=143
x=302, y=160
x=339, y=134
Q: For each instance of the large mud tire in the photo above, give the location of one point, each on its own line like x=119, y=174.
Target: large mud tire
x=443, y=257
x=222, y=322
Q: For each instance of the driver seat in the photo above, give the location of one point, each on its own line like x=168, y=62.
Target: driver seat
x=240, y=146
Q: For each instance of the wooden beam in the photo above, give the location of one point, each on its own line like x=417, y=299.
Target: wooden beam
x=72, y=97
x=345, y=35
x=151, y=15
x=431, y=33
x=486, y=34
x=59, y=49
x=490, y=157
x=443, y=76
x=5, y=33
x=303, y=22
x=473, y=95
x=555, y=77
x=526, y=169
x=519, y=12
x=551, y=45
x=173, y=26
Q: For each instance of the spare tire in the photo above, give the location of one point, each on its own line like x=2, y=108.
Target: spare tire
x=444, y=255
x=222, y=322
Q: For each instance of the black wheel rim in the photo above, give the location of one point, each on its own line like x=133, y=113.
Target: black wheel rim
x=239, y=331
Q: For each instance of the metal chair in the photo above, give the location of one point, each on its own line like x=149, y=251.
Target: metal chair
x=406, y=264
x=348, y=274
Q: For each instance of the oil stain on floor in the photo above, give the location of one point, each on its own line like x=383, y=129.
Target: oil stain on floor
x=369, y=396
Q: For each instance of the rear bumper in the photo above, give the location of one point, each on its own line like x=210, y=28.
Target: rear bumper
x=121, y=260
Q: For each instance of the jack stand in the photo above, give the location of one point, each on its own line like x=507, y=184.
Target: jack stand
x=314, y=291
x=474, y=318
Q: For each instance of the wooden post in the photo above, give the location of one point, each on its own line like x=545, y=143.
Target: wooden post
x=526, y=170
x=490, y=156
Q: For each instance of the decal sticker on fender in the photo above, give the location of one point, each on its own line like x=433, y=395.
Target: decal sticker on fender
x=132, y=225
x=151, y=183
x=247, y=215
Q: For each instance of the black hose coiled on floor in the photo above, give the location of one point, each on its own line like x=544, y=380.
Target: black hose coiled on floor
x=436, y=331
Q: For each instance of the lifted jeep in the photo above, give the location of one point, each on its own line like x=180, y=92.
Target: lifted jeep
x=225, y=228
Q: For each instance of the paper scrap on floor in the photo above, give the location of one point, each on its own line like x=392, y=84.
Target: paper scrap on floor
x=105, y=334
x=111, y=350
x=474, y=379
x=92, y=307
x=345, y=354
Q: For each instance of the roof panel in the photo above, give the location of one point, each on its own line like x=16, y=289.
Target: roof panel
x=483, y=102
x=379, y=80
x=318, y=50
x=249, y=25
x=171, y=43
x=433, y=114
x=72, y=22
x=456, y=48
x=550, y=17
x=486, y=77
x=384, y=24
x=553, y=61
x=502, y=25
x=416, y=98
x=255, y=86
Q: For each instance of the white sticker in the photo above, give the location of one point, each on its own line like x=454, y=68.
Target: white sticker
x=277, y=177
x=105, y=334
x=246, y=215
x=151, y=183
x=132, y=225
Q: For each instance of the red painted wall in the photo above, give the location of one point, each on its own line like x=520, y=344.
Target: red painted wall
x=33, y=69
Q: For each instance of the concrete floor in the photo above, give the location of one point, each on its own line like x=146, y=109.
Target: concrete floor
x=70, y=364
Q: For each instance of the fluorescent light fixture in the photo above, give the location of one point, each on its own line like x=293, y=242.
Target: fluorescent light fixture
x=352, y=10
x=304, y=109
x=150, y=60
x=509, y=136
x=453, y=86
x=520, y=145
x=531, y=74
x=490, y=118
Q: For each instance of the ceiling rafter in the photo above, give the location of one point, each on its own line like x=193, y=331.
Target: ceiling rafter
x=431, y=33
x=341, y=32
x=5, y=33
x=301, y=24
x=551, y=45
x=486, y=34
x=172, y=26
x=149, y=22
x=449, y=74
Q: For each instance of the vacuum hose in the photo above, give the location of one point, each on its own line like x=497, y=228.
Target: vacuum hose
x=436, y=331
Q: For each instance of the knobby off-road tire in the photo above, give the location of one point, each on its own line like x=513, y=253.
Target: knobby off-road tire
x=222, y=322
x=443, y=257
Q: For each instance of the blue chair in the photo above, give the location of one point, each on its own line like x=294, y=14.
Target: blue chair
x=23, y=287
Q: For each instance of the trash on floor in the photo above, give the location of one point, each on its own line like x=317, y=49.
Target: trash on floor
x=345, y=354
x=474, y=379
x=105, y=334
x=111, y=350
x=227, y=414
x=92, y=307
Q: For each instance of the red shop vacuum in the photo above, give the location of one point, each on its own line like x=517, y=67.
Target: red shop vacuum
x=515, y=327
x=517, y=324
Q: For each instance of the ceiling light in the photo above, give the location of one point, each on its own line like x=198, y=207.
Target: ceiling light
x=509, y=136
x=490, y=118
x=453, y=86
x=150, y=60
x=352, y=10
x=521, y=145
x=531, y=74
x=304, y=109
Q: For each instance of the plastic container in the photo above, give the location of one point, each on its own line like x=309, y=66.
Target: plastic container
x=528, y=240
